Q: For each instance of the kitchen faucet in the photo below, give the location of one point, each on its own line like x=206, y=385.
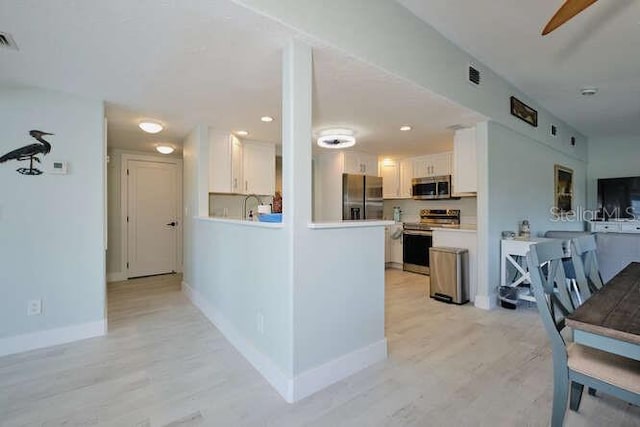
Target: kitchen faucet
x=244, y=204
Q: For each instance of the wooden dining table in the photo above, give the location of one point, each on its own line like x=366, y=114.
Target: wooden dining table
x=610, y=319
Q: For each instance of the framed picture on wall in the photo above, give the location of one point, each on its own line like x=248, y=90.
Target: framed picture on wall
x=563, y=190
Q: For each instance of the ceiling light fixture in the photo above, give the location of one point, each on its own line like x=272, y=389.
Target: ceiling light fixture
x=337, y=138
x=242, y=132
x=165, y=149
x=589, y=91
x=266, y=119
x=150, y=126
x=405, y=128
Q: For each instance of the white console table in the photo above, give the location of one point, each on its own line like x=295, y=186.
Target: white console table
x=513, y=252
x=623, y=226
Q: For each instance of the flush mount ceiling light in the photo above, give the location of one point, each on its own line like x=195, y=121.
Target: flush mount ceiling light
x=241, y=132
x=150, y=126
x=165, y=149
x=266, y=119
x=405, y=128
x=337, y=138
x=589, y=91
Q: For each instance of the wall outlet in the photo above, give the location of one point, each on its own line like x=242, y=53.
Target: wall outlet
x=260, y=322
x=34, y=307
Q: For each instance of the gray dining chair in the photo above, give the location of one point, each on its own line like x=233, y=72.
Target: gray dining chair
x=584, y=252
x=574, y=364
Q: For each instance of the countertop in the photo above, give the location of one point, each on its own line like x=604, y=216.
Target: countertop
x=463, y=228
x=351, y=224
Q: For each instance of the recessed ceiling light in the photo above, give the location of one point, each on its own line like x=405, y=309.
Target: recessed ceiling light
x=151, y=127
x=165, y=149
x=266, y=119
x=405, y=128
x=589, y=91
x=336, y=138
x=242, y=132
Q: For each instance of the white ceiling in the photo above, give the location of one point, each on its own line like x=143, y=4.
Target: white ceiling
x=211, y=62
x=599, y=47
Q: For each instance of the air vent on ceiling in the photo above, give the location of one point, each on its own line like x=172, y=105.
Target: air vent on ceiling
x=554, y=130
x=7, y=42
x=474, y=75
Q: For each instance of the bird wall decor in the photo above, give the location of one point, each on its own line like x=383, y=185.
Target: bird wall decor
x=29, y=152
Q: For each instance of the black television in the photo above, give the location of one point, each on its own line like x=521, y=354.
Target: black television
x=619, y=198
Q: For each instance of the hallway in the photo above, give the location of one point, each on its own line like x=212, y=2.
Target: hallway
x=164, y=364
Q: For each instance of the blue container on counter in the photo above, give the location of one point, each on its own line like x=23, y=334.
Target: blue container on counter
x=272, y=217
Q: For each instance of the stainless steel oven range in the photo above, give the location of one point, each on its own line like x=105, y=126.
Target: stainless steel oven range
x=417, y=237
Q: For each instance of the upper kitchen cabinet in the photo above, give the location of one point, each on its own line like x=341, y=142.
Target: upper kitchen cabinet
x=259, y=168
x=396, y=178
x=360, y=163
x=390, y=173
x=225, y=162
x=464, y=179
x=238, y=167
x=406, y=175
x=432, y=165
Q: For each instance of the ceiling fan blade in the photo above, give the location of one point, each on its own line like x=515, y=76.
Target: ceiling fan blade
x=569, y=9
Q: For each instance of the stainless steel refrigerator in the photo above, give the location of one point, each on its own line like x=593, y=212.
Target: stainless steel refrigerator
x=361, y=197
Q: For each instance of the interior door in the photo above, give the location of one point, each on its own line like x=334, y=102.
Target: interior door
x=152, y=217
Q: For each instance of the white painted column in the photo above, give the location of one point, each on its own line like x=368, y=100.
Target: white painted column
x=485, y=295
x=297, y=92
x=202, y=148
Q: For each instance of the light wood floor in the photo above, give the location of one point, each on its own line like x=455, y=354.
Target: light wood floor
x=164, y=364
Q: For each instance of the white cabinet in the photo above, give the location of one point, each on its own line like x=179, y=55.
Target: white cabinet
x=259, y=168
x=387, y=246
x=238, y=167
x=393, y=246
x=406, y=175
x=464, y=178
x=390, y=173
x=360, y=163
x=225, y=163
x=396, y=178
x=614, y=226
x=432, y=165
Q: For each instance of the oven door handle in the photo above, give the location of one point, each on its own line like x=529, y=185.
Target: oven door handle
x=417, y=233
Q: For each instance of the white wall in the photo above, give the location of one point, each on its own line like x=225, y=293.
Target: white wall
x=339, y=295
x=115, y=268
x=521, y=185
x=237, y=272
x=611, y=158
x=52, y=226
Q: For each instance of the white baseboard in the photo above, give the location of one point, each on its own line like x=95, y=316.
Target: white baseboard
x=263, y=364
x=308, y=382
x=318, y=378
x=485, y=302
x=116, y=277
x=394, y=265
x=50, y=337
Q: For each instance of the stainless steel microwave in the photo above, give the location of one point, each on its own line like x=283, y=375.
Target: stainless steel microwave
x=431, y=187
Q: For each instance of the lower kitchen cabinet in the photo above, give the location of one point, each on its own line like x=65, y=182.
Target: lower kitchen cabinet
x=393, y=246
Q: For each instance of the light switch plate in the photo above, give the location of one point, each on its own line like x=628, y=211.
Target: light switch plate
x=58, y=167
x=34, y=307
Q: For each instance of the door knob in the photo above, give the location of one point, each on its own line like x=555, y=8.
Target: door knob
x=172, y=224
